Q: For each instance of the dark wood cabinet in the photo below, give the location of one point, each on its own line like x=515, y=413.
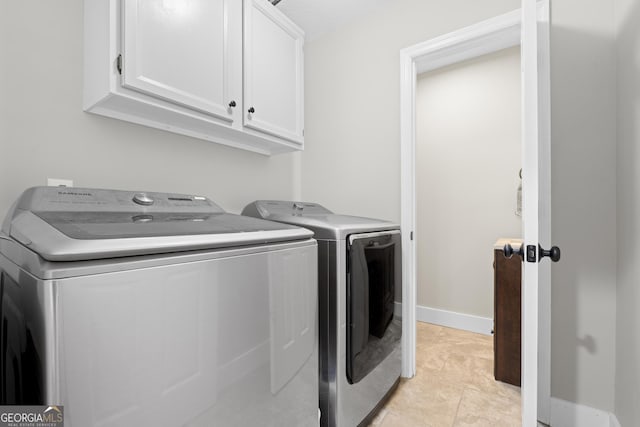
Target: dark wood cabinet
x=507, y=313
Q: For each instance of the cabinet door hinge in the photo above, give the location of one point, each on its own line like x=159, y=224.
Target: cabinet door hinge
x=119, y=64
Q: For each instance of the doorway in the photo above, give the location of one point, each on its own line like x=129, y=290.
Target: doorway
x=468, y=157
x=530, y=23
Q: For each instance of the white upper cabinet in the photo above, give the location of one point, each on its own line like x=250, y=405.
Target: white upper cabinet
x=273, y=71
x=183, y=51
x=180, y=66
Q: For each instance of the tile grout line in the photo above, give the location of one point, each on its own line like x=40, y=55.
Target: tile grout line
x=455, y=417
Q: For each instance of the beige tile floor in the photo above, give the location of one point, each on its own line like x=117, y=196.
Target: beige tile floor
x=453, y=386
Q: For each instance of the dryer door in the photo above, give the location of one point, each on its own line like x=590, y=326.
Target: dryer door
x=373, y=274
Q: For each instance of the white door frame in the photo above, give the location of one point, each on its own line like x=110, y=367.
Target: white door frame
x=485, y=37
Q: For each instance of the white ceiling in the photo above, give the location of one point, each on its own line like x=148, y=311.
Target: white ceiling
x=317, y=17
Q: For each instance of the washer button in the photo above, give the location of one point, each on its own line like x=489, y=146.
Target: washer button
x=142, y=199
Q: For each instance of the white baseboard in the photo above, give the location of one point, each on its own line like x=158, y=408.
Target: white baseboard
x=569, y=414
x=451, y=319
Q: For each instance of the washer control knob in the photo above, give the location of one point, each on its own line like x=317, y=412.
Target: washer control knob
x=142, y=199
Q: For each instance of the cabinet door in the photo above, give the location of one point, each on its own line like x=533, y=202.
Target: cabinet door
x=273, y=72
x=185, y=52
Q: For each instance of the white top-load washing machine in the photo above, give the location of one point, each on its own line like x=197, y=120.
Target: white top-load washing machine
x=359, y=278
x=153, y=309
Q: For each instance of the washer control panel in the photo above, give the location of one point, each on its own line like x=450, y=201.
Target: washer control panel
x=73, y=199
x=142, y=199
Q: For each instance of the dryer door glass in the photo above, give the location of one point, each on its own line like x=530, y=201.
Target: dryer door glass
x=374, y=274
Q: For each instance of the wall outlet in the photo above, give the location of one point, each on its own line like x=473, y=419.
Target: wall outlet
x=55, y=182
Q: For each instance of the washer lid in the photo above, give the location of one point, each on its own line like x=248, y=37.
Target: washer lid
x=324, y=223
x=70, y=224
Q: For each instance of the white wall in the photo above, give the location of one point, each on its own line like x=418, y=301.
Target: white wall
x=583, y=196
x=351, y=163
x=44, y=132
x=352, y=101
x=628, y=203
x=467, y=161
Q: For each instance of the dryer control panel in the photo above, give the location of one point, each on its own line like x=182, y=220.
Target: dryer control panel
x=271, y=208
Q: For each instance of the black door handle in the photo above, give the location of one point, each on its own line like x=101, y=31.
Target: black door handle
x=508, y=251
x=553, y=253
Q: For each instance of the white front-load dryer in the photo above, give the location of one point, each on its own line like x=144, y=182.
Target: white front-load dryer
x=359, y=281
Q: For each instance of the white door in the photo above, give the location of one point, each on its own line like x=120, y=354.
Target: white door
x=188, y=53
x=536, y=208
x=273, y=72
